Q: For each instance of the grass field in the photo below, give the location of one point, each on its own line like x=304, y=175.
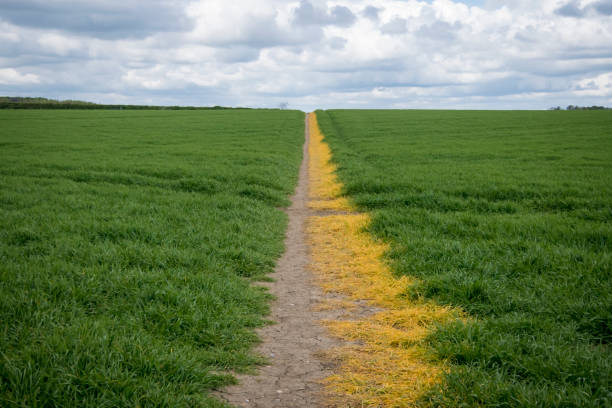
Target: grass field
x=127, y=244
x=506, y=215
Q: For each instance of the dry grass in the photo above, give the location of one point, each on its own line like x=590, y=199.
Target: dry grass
x=324, y=188
x=386, y=363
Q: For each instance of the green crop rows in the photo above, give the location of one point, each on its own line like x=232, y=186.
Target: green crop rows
x=127, y=244
x=508, y=216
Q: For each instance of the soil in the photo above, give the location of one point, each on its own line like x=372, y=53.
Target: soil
x=295, y=344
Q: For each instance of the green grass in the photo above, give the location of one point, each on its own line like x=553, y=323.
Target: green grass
x=507, y=215
x=128, y=241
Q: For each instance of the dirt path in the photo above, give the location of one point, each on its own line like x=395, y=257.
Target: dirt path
x=293, y=343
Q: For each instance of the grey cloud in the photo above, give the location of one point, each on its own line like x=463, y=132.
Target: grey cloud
x=108, y=19
x=342, y=16
x=396, y=26
x=522, y=37
x=583, y=52
x=340, y=81
x=439, y=30
x=307, y=14
x=337, y=43
x=603, y=7
x=36, y=59
x=570, y=9
x=237, y=54
x=510, y=4
x=516, y=84
x=263, y=32
x=28, y=51
x=387, y=65
x=559, y=67
x=371, y=12
x=528, y=34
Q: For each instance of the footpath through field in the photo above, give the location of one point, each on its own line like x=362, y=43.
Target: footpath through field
x=293, y=343
x=332, y=280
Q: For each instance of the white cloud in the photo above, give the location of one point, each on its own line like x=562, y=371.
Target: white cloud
x=10, y=76
x=601, y=85
x=396, y=26
x=59, y=44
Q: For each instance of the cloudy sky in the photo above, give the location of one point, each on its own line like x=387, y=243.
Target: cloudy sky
x=491, y=54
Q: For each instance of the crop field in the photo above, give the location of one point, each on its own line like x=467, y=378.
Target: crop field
x=128, y=242
x=507, y=217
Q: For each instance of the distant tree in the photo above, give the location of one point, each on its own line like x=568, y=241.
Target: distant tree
x=594, y=107
x=283, y=105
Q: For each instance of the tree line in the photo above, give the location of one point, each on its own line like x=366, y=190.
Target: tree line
x=575, y=107
x=19, y=102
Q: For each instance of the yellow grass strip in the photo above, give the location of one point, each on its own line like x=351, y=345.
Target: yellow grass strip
x=324, y=188
x=386, y=364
